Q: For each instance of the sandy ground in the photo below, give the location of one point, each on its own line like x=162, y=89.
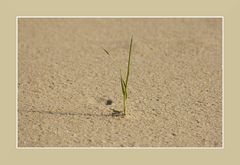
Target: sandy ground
x=65, y=79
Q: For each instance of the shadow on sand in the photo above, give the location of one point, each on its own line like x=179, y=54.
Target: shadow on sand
x=114, y=113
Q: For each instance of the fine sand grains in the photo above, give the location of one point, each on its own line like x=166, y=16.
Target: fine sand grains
x=65, y=80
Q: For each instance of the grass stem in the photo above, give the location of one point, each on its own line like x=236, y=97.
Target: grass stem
x=124, y=84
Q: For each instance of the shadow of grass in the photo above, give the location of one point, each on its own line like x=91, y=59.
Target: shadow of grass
x=71, y=113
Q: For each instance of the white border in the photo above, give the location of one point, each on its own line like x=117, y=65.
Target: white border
x=17, y=147
x=119, y=17
x=17, y=82
x=223, y=82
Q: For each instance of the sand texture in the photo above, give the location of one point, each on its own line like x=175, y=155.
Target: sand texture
x=65, y=79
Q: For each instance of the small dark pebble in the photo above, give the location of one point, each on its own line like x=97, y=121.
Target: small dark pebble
x=108, y=102
x=173, y=134
x=157, y=99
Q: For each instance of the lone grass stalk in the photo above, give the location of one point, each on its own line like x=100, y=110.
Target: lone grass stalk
x=124, y=84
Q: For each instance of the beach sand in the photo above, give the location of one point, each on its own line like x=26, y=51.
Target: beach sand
x=65, y=79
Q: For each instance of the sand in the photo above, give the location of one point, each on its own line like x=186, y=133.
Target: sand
x=65, y=79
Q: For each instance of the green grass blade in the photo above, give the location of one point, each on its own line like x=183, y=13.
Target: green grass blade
x=126, y=93
x=122, y=84
x=123, y=88
x=129, y=60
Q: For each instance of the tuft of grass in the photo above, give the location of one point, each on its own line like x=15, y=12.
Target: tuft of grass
x=124, y=83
